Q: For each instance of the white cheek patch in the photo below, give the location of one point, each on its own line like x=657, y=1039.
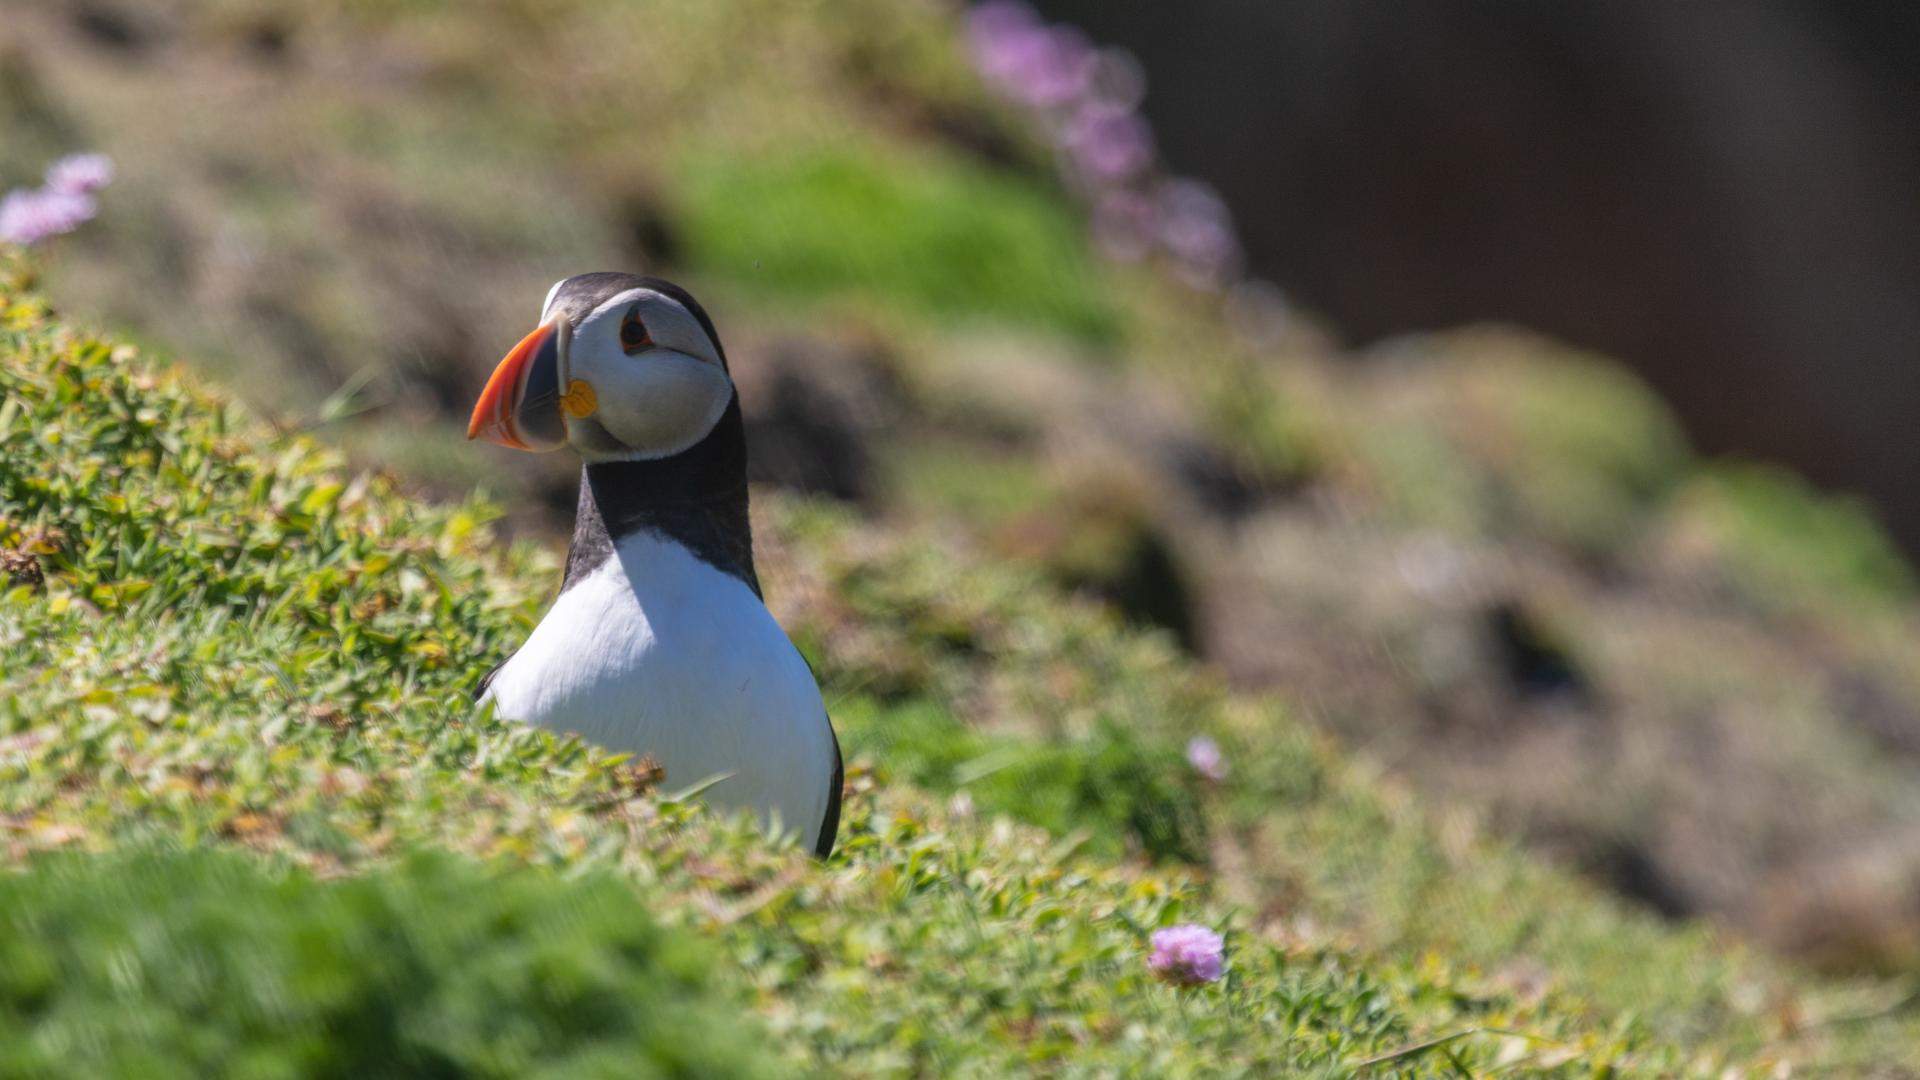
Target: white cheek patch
x=660, y=403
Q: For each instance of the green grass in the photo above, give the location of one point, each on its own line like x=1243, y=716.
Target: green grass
x=1787, y=548
x=165, y=964
x=1595, y=449
x=923, y=231
x=219, y=639
x=1112, y=789
x=1495, y=432
x=966, y=480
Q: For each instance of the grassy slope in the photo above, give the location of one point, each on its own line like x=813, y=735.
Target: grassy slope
x=233, y=643
x=151, y=963
x=388, y=192
x=189, y=674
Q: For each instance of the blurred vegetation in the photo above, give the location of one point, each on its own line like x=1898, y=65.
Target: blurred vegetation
x=1786, y=548
x=151, y=963
x=937, y=236
x=1495, y=433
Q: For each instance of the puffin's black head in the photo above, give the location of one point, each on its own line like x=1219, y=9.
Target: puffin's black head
x=621, y=368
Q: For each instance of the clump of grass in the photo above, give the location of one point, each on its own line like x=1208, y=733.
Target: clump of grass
x=1492, y=431
x=176, y=962
x=926, y=231
x=1112, y=788
x=1786, y=548
x=1261, y=430
x=1094, y=535
x=1594, y=448
x=970, y=481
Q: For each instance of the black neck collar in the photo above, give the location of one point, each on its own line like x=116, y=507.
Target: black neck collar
x=697, y=498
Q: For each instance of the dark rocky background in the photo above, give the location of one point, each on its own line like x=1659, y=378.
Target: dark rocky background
x=1725, y=195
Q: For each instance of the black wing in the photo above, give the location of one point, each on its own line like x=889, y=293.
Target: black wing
x=487, y=680
x=830, y=825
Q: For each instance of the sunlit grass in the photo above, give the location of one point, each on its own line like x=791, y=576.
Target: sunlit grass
x=225, y=641
x=928, y=231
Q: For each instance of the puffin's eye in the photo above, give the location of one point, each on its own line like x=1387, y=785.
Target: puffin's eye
x=633, y=333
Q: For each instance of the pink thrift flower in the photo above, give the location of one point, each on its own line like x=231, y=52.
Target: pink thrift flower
x=1087, y=99
x=1109, y=143
x=1006, y=35
x=28, y=217
x=1187, y=955
x=80, y=174
x=1205, y=757
x=1041, y=65
x=1198, y=232
x=998, y=18
x=1117, y=81
x=1059, y=70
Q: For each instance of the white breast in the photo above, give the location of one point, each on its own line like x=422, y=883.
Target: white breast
x=656, y=652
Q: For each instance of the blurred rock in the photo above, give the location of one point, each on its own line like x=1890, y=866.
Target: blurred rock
x=815, y=410
x=1101, y=537
x=1720, y=194
x=122, y=28
x=1858, y=909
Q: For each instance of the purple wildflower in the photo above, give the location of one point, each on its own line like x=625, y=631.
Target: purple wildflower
x=1060, y=72
x=80, y=174
x=63, y=205
x=1205, y=757
x=1087, y=100
x=1108, y=143
x=1117, y=80
x=1043, y=66
x=1187, y=955
x=1000, y=18
x=28, y=217
x=1005, y=35
x=1198, y=232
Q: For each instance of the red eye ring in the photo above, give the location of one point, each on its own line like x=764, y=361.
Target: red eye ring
x=633, y=333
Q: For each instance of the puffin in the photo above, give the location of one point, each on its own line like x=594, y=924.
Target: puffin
x=659, y=642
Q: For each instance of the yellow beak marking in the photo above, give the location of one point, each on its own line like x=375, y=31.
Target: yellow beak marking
x=579, y=401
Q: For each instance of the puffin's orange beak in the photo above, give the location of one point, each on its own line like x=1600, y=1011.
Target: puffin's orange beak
x=520, y=406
